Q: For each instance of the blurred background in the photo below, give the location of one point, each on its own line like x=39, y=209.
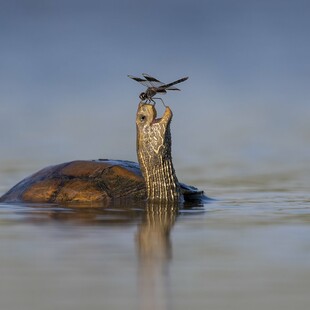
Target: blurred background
x=65, y=94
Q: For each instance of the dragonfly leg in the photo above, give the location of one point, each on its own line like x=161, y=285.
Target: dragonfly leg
x=150, y=101
x=161, y=101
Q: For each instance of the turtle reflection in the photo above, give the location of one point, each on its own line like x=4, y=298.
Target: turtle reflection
x=154, y=251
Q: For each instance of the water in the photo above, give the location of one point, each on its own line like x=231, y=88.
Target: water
x=248, y=249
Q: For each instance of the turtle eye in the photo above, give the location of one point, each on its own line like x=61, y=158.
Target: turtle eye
x=142, y=118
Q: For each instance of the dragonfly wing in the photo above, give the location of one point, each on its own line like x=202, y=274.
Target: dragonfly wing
x=173, y=83
x=172, y=88
x=154, y=82
x=141, y=81
x=160, y=91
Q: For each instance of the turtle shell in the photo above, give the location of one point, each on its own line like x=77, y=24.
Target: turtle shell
x=85, y=181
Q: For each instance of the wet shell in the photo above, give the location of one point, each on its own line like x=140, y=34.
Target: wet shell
x=86, y=181
x=98, y=180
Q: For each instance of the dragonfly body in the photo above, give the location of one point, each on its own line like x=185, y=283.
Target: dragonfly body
x=148, y=94
x=154, y=87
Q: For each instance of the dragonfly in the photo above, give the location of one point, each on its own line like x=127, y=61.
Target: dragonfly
x=154, y=87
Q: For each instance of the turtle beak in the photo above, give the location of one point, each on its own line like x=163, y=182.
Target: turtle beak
x=151, y=111
x=165, y=119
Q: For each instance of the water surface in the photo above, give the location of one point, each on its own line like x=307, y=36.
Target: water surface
x=248, y=249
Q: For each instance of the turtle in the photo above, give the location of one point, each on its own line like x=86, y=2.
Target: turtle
x=105, y=180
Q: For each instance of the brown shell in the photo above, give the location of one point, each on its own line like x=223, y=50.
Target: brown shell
x=87, y=181
x=80, y=181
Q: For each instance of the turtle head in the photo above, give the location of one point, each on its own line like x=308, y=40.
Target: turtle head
x=146, y=118
x=154, y=153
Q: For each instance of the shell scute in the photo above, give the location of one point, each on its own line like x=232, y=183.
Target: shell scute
x=42, y=191
x=79, y=190
x=84, y=169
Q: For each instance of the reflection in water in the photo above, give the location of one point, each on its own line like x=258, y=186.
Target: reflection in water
x=252, y=249
x=154, y=249
x=153, y=244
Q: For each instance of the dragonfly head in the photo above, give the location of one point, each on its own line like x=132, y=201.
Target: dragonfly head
x=143, y=96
